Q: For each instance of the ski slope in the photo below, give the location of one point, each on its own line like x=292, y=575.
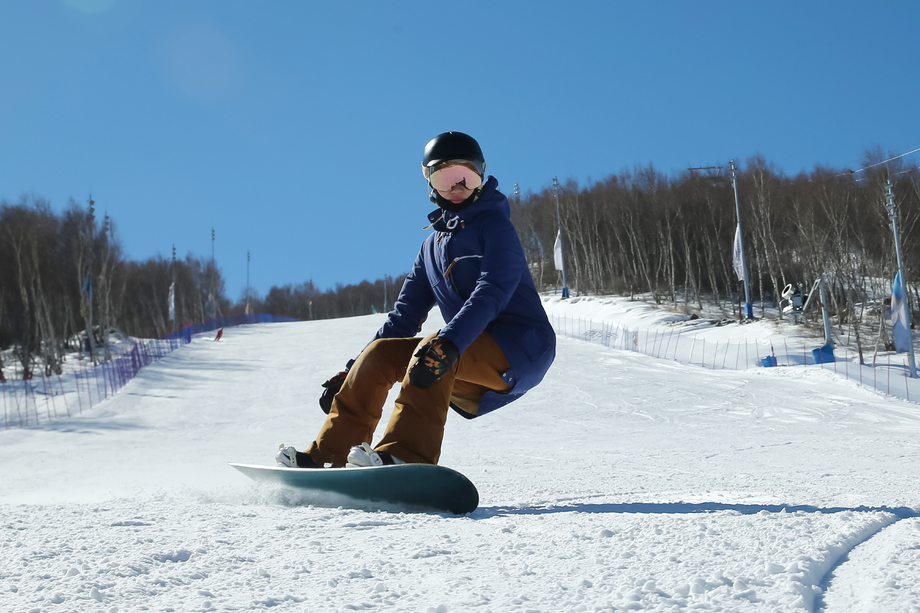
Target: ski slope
x=622, y=483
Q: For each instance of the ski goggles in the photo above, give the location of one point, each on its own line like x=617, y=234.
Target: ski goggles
x=443, y=177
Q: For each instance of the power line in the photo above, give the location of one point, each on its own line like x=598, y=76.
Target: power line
x=853, y=172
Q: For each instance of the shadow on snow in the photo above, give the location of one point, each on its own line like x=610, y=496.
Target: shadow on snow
x=682, y=507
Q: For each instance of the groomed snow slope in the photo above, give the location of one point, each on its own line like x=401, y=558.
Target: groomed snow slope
x=623, y=483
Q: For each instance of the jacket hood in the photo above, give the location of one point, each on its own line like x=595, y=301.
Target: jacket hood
x=489, y=200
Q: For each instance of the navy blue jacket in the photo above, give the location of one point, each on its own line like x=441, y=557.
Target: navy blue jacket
x=473, y=268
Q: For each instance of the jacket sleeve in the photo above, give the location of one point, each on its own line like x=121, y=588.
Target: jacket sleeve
x=412, y=306
x=501, y=268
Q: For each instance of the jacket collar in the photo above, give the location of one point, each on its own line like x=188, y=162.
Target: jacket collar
x=445, y=221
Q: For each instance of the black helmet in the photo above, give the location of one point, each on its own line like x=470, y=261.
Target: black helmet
x=452, y=146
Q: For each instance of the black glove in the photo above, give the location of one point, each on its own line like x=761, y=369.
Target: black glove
x=332, y=386
x=435, y=358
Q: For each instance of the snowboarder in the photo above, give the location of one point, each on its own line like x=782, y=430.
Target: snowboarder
x=497, y=343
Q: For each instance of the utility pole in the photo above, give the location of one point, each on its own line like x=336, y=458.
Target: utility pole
x=565, y=287
x=828, y=340
x=542, y=260
x=385, y=294
x=105, y=293
x=173, y=305
x=893, y=217
x=248, y=288
x=211, y=298
x=748, y=307
x=89, y=282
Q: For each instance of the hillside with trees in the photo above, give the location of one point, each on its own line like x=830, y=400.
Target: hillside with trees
x=641, y=232
x=65, y=281
x=65, y=285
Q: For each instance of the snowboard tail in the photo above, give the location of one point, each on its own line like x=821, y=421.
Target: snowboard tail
x=419, y=486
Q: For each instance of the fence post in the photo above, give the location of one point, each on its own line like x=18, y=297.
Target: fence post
x=116, y=376
x=120, y=370
x=64, y=395
x=30, y=387
x=96, y=376
x=18, y=408
x=45, y=386
x=76, y=382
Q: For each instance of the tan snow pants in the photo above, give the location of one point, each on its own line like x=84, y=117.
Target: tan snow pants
x=416, y=427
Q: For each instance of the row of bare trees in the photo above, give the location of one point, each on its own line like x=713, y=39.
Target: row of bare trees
x=305, y=301
x=65, y=284
x=64, y=278
x=641, y=232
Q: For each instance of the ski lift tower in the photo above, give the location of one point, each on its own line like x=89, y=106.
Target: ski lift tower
x=173, y=291
x=893, y=216
x=565, y=286
x=748, y=307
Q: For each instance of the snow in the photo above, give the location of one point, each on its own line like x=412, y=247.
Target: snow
x=624, y=482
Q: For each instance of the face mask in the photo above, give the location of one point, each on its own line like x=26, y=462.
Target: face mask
x=454, y=207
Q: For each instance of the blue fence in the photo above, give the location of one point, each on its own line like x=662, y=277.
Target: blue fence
x=31, y=402
x=886, y=372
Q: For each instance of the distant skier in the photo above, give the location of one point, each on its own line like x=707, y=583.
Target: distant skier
x=497, y=343
x=220, y=333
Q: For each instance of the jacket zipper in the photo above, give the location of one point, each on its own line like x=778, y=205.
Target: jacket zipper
x=455, y=260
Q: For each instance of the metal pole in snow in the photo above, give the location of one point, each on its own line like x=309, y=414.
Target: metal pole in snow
x=892, y=215
x=565, y=287
x=6, y=418
x=748, y=307
x=827, y=322
x=175, y=313
x=61, y=385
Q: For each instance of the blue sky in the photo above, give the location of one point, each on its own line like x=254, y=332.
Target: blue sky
x=295, y=129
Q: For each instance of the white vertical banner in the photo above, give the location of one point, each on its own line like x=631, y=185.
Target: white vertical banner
x=172, y=301
x=557, y=250
x=899, y=327
x=737, y=259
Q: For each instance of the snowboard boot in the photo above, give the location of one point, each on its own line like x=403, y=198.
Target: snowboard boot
x=291, y=458
x=364, y=455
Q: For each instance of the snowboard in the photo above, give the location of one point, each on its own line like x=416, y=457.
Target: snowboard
x=410, y=487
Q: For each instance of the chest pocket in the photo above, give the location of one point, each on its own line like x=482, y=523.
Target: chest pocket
x=434, y=278
x=463, y=273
